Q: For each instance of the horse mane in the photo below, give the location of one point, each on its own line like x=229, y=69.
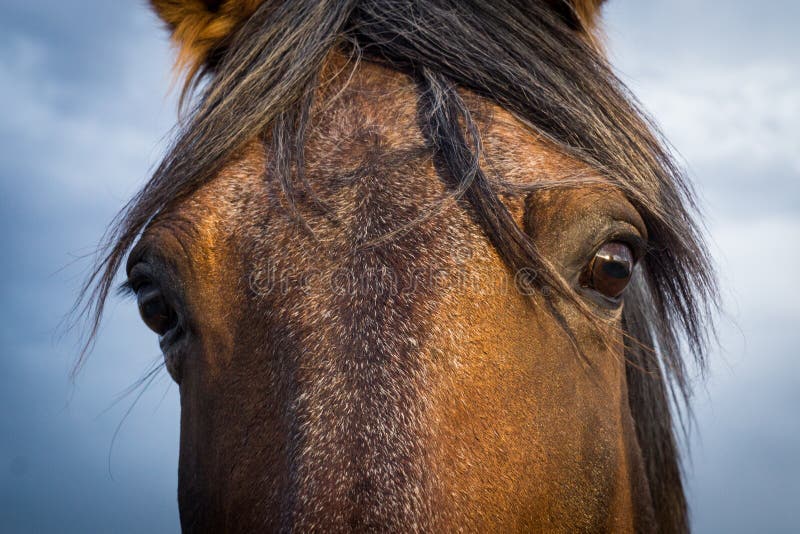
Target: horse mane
x=534, y=58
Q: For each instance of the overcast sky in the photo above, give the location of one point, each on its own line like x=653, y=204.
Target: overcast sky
x=85, y=117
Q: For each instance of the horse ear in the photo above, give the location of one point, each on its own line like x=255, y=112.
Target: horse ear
x=580, y=15
x=588, y=11
x=200, y=27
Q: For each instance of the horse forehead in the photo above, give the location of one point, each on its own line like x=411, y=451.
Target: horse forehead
x=368, y=163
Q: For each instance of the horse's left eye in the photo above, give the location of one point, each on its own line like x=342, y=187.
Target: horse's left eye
x=156, y=313
x=611, y=269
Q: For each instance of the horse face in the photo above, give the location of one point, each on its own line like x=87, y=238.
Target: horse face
x=381, y=367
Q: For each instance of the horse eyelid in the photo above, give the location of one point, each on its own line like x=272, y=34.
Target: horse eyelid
x=637, y=243
x=627, y=235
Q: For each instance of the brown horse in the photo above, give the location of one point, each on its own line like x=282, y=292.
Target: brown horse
x=416, y=266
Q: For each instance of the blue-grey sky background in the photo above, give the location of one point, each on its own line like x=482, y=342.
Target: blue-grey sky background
x=86, y=115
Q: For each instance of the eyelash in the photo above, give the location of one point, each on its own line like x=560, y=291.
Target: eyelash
x=126, y=290
x=130, y=286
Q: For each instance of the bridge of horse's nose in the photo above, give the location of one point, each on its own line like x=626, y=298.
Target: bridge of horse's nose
x=360, y=412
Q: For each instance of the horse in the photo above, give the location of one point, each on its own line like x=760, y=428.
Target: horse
x=416, y=266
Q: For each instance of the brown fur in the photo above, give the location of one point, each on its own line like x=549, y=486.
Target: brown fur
x=198, y=27
x=395, y=423
x=588, y=11
x=342, y=241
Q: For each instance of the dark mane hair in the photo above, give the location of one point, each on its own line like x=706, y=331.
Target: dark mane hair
x=533, y=58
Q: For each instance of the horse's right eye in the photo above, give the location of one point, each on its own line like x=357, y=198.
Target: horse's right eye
x=156, y=312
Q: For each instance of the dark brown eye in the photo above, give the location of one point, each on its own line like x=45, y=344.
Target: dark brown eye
x=611, y=268
x=156, y=313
